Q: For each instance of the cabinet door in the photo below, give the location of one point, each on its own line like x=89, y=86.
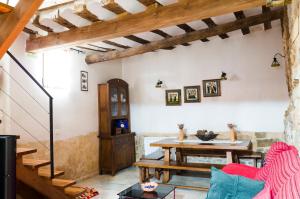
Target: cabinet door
x=114, y=101
x=125, y=152
x=123, y=101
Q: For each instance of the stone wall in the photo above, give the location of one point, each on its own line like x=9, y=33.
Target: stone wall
x=77, y=156
x=291, y=40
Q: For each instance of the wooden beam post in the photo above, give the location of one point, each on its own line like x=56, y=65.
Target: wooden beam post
x=13, y=23
x=189, y=37
x=153, y=18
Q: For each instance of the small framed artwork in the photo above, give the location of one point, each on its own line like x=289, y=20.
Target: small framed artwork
x=212, y=88
x=192, y=94
x=84, y=81
x=173, y=97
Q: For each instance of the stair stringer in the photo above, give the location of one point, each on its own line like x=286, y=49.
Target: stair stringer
x=30, y=177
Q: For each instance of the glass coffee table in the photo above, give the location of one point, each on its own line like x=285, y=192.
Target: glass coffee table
x=136, y=192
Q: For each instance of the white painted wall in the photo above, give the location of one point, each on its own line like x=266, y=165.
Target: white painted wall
x=254, y=97
x=75, y=112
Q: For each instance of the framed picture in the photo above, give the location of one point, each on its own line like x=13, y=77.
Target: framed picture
x=211, y=88
x=192, y=94
x=84, y=81
x=173, y=97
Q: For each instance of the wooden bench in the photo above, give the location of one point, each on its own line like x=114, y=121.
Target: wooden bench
x=181, y=155
x=255, y=156
x=156, y=155
x=160, y=164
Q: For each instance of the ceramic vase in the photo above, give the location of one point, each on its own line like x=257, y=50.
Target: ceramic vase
x=181, y=134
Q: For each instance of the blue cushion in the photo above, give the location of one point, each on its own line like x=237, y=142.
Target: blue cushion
x=225, y=186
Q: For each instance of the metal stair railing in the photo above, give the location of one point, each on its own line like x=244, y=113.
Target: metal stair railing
x=50, y=98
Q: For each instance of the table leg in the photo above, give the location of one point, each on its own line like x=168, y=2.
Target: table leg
x=174, y=194
x=167, y=159
x=229, y=157
x=178, y=156
x=142, y=174
x=166, y=176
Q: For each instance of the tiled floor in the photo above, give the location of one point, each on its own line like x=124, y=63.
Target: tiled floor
x=110, y=186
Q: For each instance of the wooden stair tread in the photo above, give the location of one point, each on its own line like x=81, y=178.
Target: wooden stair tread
x=203, y=167
x=74, y=191
x=35, y=163
x=46, y=172
x=25, y=151
x=4, y=8
x=63, y=183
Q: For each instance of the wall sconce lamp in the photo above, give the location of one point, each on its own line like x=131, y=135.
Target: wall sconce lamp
x=223, y=76
x=275, y=62
x=159, y=84
x=277, y=3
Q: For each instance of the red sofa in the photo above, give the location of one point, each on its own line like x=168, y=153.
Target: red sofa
x=281, y=173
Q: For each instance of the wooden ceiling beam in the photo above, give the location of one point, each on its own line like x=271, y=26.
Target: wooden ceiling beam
x=84, y=13
x=117, y=9
x=13, y=23
x=148, y=2
x=267, y=25
x=115, y=44
x=106, y=49
x=154, y=18
x=63, y=22
x=241, y=15
x=182, y=26
x=29, y=31
x=188, y=37
x=36, y=23
x=137, y=39
x=114, y=7
x=210, y=23
x=188, y=29
x=90, y=49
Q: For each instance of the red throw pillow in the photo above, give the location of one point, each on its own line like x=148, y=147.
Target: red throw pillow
x=241, y=170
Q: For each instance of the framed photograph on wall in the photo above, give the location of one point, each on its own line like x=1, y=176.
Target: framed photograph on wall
x=84, y=78
x=212, y=88
x=192, y=94
x=173, y=97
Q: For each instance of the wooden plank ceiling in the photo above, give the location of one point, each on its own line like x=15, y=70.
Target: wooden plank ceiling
x=114, y=29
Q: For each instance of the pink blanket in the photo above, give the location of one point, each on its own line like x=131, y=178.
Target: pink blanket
x=281, y=173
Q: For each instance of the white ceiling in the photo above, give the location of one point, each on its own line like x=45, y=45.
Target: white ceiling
x=131, y=6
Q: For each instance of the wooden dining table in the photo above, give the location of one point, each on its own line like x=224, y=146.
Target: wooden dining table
x=230, y=149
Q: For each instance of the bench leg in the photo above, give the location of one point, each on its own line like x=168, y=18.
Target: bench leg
x=166, y=176
x=157, y=174
x=255, y=162
x=142, y=174
x=147, y=174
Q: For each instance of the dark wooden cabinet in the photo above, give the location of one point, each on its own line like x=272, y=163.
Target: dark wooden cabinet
x=117, y=142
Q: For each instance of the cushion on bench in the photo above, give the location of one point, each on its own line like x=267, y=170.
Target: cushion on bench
x=241, y=170
x=232, y=186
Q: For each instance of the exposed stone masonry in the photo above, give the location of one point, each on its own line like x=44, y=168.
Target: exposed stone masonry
x=291, y=40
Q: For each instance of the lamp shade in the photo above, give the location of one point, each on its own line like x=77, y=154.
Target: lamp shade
x=275, y=63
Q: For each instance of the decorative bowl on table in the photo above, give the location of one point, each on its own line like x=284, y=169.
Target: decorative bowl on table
x=149, y=186
x=204, y=135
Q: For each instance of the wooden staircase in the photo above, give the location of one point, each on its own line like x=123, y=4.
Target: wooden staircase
x=5, y=8
x=13, y=21
x=37, y=175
